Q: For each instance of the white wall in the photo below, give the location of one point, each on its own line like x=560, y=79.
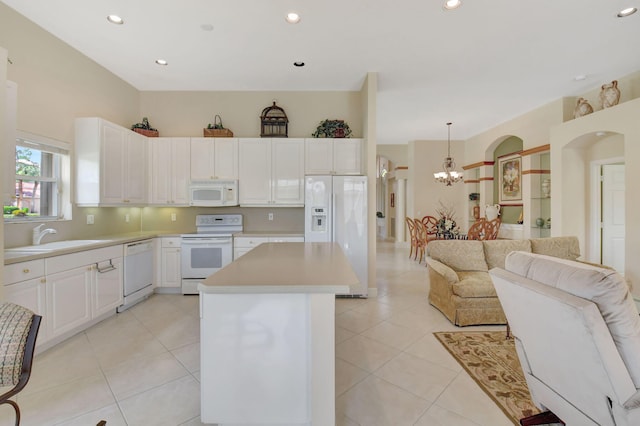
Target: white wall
x=3, y=143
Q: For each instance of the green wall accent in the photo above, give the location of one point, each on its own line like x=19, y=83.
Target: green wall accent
x=508, y=214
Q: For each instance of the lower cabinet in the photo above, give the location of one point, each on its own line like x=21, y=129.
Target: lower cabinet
x=31, y=294
x=69, y=299
x=76, y=291
x=170, y=275
x=243, y=245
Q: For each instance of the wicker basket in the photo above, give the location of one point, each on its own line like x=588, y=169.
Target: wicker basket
x=217, y=133
x=147, y=133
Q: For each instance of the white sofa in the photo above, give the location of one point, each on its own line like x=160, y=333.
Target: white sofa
x=577, y=333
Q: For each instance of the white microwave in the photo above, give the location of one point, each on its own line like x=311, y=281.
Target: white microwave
x=215, y=193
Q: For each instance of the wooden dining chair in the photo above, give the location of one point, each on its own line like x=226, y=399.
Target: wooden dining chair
x=421, y=239
x=431, y=225
x=491, y=228
x=477, y=231
x=412, y=235
x=18, y=331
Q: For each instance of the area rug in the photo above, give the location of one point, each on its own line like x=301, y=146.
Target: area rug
x=491, y=360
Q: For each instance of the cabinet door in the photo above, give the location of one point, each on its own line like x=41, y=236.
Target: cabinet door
x=32, y=295
x=170, y=275
x=226, y=158
x=69, y=299
x=287, y=171
x=107, y=287
x=255, y=171
x=318, y=156
x=135, y=188
x=347, y=156
x=202, y=161
x=112, y=153
x=180, y=171
x=160, y=162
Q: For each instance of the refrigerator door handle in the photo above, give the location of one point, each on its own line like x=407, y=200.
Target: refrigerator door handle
x=333, y=217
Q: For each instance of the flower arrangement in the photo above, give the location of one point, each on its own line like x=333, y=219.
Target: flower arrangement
x=446, y=224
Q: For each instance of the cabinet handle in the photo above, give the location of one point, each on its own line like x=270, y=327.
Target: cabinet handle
x=43, y=280
x=26, y=271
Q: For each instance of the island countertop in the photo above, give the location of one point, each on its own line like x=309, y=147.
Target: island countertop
x=285, y=268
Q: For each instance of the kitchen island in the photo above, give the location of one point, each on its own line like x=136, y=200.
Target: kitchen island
x=267, y=335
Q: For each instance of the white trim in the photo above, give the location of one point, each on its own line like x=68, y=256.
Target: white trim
x=32, y=139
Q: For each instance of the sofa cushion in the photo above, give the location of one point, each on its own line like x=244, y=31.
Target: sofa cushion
x=474, y=284
x=495, y=251
x=460, y=255
x=604, y=287
x=562, y=247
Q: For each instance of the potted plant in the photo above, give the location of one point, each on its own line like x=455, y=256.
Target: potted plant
x=145, y=128
x=332, y=129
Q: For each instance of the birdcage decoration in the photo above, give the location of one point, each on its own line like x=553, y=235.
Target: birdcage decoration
x=274, y=122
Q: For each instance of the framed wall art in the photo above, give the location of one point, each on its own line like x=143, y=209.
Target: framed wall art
x=510, y=179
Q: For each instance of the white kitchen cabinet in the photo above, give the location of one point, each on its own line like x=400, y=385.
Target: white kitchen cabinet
x=69, y=299
x=77, y=293
x=111, y=164
x=107, y=292
x=170, y=161
x=214, y=158
x=243, y=245
x=25, y=285
x=271, y=172
x=170, y=263
x=342, y=156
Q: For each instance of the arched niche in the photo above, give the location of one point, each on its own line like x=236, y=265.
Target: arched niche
x=509, y=145
x=573, y=146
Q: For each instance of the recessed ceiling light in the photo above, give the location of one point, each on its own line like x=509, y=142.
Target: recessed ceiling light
x=298, y=64
x=161, y=62
x=600, y=134
x=115, y=19
x=580, y=77
x=626, y=12
x=292, y=18
x=206, y=27
x=452, y=4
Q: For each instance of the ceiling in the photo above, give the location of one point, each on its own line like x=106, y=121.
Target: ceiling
x=477, y=66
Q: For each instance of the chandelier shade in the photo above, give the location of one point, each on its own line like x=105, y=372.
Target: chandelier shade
x=448, y=175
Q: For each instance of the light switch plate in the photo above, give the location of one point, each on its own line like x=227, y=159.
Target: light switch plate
x=90, y=219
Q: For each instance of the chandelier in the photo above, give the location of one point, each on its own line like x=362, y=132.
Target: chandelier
x=449, y=175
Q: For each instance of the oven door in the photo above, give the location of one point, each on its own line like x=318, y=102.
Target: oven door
x=203, y=256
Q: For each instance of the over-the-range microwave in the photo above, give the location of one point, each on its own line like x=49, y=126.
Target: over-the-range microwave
x=214, y=193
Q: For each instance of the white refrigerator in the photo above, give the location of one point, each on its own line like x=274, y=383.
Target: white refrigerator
x=336, y=211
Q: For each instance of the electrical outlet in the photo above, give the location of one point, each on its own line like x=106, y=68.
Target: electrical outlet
x=126, y=218
x=90, y=219
x=270, y=216
x=173, y=217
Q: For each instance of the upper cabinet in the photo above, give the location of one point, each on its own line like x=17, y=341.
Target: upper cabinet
x=169, y=171
x=271, y=172
x=214, y=158
x=111, y=164
x=333, y=156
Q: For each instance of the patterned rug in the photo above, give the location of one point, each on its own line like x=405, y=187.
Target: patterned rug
x=492, y=361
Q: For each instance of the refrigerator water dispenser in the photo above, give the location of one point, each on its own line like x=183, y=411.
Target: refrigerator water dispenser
x=318, y=219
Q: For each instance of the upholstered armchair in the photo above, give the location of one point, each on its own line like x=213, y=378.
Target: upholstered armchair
x=577, y=334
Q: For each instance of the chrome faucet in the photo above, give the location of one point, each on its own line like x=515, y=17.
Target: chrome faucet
x=39, y=233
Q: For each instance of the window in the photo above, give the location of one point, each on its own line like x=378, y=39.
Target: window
x=41, y=177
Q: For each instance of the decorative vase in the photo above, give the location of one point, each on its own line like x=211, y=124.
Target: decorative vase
x=546, y=188
x=539, y=222
x=492, y=212
x=582, y=108
x=610, y=94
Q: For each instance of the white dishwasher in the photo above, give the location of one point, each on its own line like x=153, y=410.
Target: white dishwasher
x=138, y=272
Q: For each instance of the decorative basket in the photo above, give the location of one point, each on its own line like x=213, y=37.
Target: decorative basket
x=147, y=133
x=217, y=133
x=217, y=130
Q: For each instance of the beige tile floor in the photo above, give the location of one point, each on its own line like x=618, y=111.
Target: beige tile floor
x=141, y=367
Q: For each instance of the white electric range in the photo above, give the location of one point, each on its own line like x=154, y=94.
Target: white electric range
x=209, y=249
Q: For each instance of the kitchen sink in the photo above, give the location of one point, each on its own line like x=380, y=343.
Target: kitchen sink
x=56, y=245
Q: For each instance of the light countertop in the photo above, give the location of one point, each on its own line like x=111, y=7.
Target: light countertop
x=268, y=234
x=14, y=256
x=285, y=268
